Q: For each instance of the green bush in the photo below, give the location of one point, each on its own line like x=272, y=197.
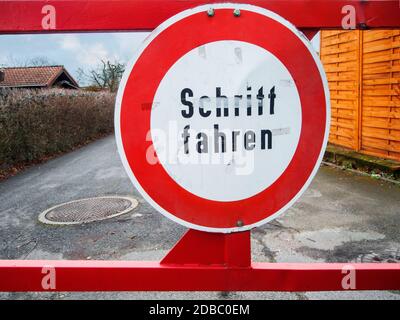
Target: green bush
x=38, y=123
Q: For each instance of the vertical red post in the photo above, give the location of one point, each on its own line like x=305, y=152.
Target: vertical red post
x=204, y=248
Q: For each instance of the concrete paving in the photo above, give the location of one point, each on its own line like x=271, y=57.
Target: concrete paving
x=343, y=217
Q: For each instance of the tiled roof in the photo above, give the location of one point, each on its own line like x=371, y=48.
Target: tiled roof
x=30, y=76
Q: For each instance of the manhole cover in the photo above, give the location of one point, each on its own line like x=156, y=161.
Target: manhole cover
x=388, y=256
x=88, y=210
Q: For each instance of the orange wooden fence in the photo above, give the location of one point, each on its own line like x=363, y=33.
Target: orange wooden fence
x=363, y=70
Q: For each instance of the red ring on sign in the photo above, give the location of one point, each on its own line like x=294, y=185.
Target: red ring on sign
x=154, y=62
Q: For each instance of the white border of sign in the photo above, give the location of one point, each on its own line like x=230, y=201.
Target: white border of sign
x=128, y=70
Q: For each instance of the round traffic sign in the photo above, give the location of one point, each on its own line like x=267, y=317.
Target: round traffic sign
x=222, y=117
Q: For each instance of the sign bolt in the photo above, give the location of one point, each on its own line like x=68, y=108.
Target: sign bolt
x=236, y=12
x=210, y=12
x=239, y=223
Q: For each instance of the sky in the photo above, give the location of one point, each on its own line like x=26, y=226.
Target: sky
x=84, y=50
x=74, y=50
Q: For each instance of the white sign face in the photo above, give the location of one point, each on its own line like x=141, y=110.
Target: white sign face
x=226, y=120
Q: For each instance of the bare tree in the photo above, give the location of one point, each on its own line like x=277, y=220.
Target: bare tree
x=106, y=75
x=38, y=61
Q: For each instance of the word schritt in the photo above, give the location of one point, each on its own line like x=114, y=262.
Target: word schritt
x=223, y=109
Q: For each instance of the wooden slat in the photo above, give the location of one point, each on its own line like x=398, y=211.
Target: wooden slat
x=381, y=81
x=386, y=57
x=386, y=155
x=383, y=134
x=384, y=69
x=381, y=92
x=343, y=96
x=348, y=76
x=342, y=124
x=342, y=116
x=340, y=68
x=335, y=59
x=378, y=144
x=342, y=132
x=373, y=35
x=349, y=47
x=381, y=47
x=342, y=105
x=380, y=103
x=382, y=114
x=383, y=123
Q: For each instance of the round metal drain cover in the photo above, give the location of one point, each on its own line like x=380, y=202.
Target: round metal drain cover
x=389, y=256
x=88, y=210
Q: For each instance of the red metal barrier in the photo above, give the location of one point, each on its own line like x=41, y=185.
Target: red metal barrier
x=200, y=261
x=119, y=15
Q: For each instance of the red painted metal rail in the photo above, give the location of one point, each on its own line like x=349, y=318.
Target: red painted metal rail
x=119, y=15
x=151, y=276
x=199, y=261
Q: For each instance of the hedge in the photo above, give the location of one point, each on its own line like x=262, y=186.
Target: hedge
x=39, y=123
